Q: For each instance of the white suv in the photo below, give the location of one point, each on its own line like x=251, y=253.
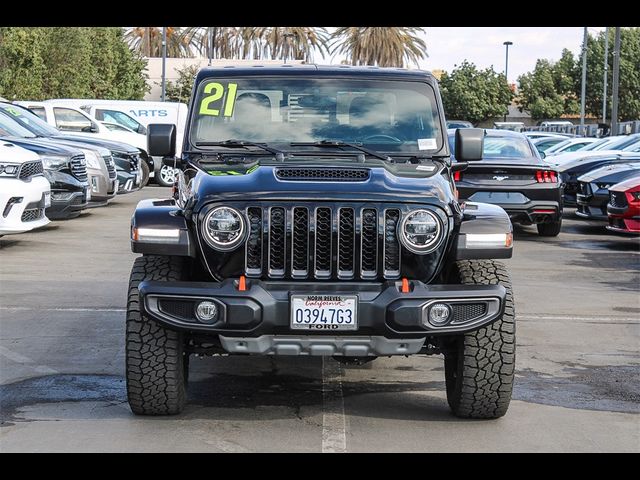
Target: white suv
x=24, y=191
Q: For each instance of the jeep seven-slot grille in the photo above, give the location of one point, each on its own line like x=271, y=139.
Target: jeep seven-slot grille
x=332, y=174
x=30, y=169
x=322, y=242
x=78, y=167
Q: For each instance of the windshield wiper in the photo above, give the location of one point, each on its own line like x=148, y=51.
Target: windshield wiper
x=232, y=143
x=340, y=144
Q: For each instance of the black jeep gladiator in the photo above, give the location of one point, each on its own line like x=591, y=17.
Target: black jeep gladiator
x=315, y=213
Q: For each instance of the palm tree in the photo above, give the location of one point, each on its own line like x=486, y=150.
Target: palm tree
x=298, y=43
x=381, y=46
x=148, y=41
x=258, y=42
x=227, y=41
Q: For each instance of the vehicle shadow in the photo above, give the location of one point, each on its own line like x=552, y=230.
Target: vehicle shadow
x=19, y=239
x=226, y=387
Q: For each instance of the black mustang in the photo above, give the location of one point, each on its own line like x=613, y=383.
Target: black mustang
x=513, y=175
x=593, y=187
x=570, y=171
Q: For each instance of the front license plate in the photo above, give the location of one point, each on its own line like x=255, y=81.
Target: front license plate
x=324, y=312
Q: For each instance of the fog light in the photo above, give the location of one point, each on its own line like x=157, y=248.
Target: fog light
x=206, y=311
x=439, y=314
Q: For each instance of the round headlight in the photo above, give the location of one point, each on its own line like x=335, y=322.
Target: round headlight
x=420, y=231
x=224, y=228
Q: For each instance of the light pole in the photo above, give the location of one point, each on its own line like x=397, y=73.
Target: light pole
x=616, y=84
x=583, y=87
x=506, y=69
x=164, y=61
x=606, y=70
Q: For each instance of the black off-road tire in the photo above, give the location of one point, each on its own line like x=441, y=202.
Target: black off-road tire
x=156, y=363
x=480, y=369
x=551, y=229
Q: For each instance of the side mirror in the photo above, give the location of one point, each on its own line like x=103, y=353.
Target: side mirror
x=94, y=128
x=142, y=130
x=161, y=140
x=543, y=155
x=469, y=144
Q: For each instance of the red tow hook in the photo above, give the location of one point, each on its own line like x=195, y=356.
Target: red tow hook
x=405, y=286
x=242, y=284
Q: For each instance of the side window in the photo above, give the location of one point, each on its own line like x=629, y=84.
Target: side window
x=39, y=111
x=71, y=121
x=574, y=147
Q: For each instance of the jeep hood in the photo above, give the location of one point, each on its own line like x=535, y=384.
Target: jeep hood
x=265, y=182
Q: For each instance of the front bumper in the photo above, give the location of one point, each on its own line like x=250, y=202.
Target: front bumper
x=68, y=195
x=126, y=182
x=257, y=320
x=102, y=187
x=545, y=207
x=624, y=219
x=22, y=204
x=593, y=206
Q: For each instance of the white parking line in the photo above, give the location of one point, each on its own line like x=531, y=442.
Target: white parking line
x=334, y=438
x=577, y=318
x=21, y=359
x=64, y=309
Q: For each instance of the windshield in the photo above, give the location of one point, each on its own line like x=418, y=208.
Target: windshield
x=386, y=115
x=29, y=121
x=10, y=127
x=115, y=116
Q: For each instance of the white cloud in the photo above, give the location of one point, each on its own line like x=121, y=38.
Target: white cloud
x=483, y=46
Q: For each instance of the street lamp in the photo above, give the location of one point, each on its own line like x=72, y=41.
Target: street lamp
x=506, y=69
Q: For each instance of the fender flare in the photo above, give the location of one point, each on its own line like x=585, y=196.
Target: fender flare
x=486, y=232
x=159, y=228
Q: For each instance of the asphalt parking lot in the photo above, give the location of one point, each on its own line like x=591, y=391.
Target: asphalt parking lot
x=62, y=299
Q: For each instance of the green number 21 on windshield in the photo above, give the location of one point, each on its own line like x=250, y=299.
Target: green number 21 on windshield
x=215, y=91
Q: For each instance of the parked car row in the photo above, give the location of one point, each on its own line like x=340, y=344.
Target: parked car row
x=46, y=174
x=534, y=175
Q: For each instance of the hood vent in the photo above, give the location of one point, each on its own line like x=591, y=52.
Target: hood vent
x=323, y=174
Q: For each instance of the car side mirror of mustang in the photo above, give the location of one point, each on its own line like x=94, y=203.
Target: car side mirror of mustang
x=161, y=140
x=469, y=144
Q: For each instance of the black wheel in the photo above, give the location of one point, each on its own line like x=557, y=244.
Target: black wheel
x=156, y=364
x=166, y=176
x=145, y=173
x=479, y=368
x=549, y=229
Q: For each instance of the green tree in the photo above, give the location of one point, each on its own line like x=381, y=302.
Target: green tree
x=538, y=94
x=629, y=87
x=474, y=95
x=22, y=68
x=180, y=90
x=549, y=91
x=41, y=63
x=128, y=80
x=382, y=46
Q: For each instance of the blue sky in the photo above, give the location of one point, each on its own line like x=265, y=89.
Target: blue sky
x=483, y=46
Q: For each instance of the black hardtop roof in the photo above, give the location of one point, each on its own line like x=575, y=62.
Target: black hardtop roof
x=315, y=71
